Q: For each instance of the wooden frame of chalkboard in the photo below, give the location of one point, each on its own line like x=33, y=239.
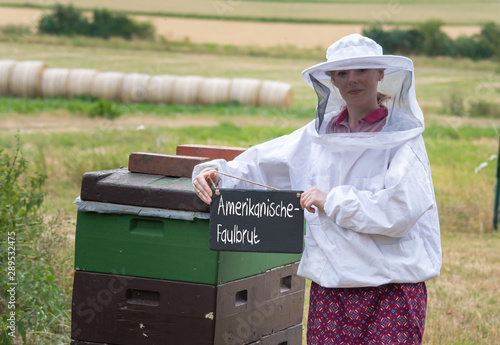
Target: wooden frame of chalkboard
x=250, y=220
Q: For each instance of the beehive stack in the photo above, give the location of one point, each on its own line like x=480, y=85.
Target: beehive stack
x=144, y=273
x=26, y=79
x=6, y=70
x=55, y=82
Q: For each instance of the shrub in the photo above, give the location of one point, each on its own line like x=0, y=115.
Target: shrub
x=65, y=21
x=433, y=41
x=481, y=108
x=39, y=307
x=395, y=41
x=454, y=104
x=489, y=39
x=107, y=24
x=69, y=21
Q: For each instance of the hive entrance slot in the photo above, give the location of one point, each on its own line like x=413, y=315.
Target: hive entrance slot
x=241, y=298
x=143, y=297
x=285, y=284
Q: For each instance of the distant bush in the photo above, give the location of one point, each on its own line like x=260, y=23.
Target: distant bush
x=64, y=20
x=489, y=39
x=70, y=21
x=428, y=39
x=432, y=40
x=454, y=104
x=481, y=108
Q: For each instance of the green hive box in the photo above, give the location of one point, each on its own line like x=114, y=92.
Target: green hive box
x=162, y=248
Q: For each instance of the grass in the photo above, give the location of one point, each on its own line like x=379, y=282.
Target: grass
x=183, y=47
x=462, y=302
x=87, y=106
x=326, y=12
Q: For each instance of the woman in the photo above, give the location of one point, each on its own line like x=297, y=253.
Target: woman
x=372, y=237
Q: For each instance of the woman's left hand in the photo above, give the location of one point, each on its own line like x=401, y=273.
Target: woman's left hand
x=313, y=197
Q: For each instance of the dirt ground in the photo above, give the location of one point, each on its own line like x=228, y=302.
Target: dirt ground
x=233, y=32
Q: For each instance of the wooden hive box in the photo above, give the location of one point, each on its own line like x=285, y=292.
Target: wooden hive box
x=128, y=310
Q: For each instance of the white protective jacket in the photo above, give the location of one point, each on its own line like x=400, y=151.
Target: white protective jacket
x=380, y=222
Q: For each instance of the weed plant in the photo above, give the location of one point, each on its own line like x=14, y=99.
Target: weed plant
x=34, y=270
x=477, y=108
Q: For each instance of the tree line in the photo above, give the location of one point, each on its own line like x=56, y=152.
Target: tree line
x=429, y=39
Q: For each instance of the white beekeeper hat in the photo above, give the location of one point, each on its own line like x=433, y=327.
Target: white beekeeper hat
x=405, y=118
x=355, y=52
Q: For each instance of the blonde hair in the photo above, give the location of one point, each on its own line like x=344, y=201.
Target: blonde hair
x=382, y=98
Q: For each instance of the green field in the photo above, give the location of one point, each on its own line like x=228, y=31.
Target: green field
x=60, y=140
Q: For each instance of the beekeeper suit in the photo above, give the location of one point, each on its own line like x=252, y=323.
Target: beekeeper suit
x=380, y=222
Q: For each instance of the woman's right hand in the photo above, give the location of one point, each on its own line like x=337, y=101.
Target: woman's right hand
x=203, y=185
x=313, y=197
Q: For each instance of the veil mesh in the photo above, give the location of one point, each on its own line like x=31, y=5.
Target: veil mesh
x=401, y=104
x=323, y=93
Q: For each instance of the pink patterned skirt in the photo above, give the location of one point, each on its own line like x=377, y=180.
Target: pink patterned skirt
x=387, y=314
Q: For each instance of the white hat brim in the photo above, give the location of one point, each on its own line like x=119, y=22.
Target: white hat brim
x=390, y=63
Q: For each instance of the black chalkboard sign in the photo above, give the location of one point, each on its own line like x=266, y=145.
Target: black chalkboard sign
x=256, y=221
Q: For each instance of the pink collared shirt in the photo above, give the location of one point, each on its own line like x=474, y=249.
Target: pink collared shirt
x=373, y=122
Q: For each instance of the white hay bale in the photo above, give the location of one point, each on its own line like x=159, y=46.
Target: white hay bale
x=135, y=87
x=6, y=70
x=245, y=90
x=186, y=90
x=275, y=94
x=108, y=85
x=55, y=82
x=26, y=79
x=214, y=90
x=80, y=81
x=161, y=89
